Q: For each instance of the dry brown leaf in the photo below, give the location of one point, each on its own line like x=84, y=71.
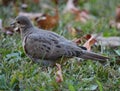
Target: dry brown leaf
x=8, y=30
x=82, y=39
x=90, y=42
x=55, y=1
x=115, y=23
x=73, y=30
x=59, y=77
x=48, y=22
x=81, y=15
x=77, y=41
x=6, y=2
x=117, y=18
x=36, y=1
x=112, y=24
x=87, y=36
x=118, y=61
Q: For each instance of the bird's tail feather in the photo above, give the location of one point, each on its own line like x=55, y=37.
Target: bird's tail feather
x=93, y=56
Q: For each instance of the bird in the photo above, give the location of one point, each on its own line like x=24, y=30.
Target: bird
x=48, y=47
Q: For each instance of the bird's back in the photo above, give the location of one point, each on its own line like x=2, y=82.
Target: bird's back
x=42, y=43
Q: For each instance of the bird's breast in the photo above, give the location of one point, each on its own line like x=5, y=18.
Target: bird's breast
x=24, y=44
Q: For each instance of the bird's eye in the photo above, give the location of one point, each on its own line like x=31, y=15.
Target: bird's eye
x=18, y=22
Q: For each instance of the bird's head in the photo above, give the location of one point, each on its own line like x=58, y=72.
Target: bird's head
x=21, y=22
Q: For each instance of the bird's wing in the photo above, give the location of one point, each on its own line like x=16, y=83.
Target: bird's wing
x=48, y=46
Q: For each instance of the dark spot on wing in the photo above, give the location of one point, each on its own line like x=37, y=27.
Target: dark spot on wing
x=70, y=53
x=58, y=46
x=78, y=53
x=57, y=51
x=48, y=48
x=82, y=47
x=44, y=45
x=55, y=41
x=42, y=40
x=36, y=39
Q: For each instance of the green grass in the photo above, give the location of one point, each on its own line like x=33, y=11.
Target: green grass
x=18, y=73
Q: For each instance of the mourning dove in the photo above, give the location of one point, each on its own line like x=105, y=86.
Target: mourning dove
x=47, y=46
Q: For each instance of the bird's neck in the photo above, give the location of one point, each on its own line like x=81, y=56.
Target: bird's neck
x=25, y=31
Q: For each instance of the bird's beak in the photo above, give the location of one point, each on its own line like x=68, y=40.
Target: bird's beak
x=13, y=24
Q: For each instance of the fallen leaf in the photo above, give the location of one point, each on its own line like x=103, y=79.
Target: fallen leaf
x=115, y=23
x=87, y=36
x=90, y=42
x=118, y=25
x=47, y=22
x=36, y=1
x=77, y=41
x=118, y=60
x=55, y=1
x=117, y=17
x=74, y=31
x=59, y=77
x=82, y=39
x=8, y=30
x=6, y=2
x=112, y=24
x=81, y=15
x=76, y=2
